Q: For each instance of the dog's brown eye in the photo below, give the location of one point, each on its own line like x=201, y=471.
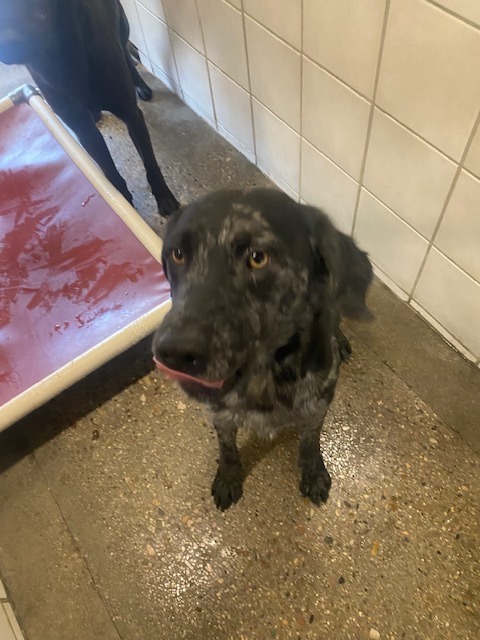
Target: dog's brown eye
x=258, y=259
x=178, y=257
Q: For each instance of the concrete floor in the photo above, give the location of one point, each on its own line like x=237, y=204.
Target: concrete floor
x=108, y=530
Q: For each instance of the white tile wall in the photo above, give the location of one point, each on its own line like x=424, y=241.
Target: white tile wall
x=407, y=174
x=280, y=92
x=136, y=32
x=326, y=186
x=224, y=37
x=193, y=74
x=278, y=147
x=292, y=85
x=282, y=17
x=459, y=233
x=469, y=9
x=335, y=118
x=472, y=161
x=155, y=7
x=443, y=290
x=182, y=17
x=233, y=107
x=344, y=37
x=392, y=245
x=428, y=79
x=158, y=43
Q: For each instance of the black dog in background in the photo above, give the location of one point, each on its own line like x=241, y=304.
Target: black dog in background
x=259, y=284
x=76, y=51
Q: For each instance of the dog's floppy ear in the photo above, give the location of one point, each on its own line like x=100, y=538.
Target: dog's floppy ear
x=346, y=268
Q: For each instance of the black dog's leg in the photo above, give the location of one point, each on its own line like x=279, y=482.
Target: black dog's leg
x=166, y=201
x=83, y=124
x=315, y=480
x=141, y=87
x=227, y=486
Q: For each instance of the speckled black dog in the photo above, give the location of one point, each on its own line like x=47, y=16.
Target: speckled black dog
x=259, y=284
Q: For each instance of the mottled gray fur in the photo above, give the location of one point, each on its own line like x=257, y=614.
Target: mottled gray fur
x=271, y=334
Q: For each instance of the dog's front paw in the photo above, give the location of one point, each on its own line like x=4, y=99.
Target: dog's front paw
x=167, y=205
x=227, y=487
x=315, y=484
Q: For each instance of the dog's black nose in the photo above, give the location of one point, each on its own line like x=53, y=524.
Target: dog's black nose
x=181, y=353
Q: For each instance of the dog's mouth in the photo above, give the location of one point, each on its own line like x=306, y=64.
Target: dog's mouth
x=180, y=376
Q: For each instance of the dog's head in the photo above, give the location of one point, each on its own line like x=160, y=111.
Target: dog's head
x=25, y=26
x=249, y=273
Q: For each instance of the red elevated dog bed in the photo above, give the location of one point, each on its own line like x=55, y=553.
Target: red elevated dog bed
x=80, y=278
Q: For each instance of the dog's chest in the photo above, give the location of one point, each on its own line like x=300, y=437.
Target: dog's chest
x=309, y=399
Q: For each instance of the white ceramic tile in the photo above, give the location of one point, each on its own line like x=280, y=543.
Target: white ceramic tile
x=459, y=233
x=400, y=293
x=278, y=146
x=168, y=82
x=429, y=76
x=6, y=632
x=452, y=298
x=13, y=622
x=236, y=143
x=326, y=186
x=182, y=17
x=443, y=332
x=391, y=244
x=472, y=161
x=136, y=33
x=199, y=110
x=335, y=118
x=468, y=9
x=145, y=61
x=3, y=594
x=278, y=181
x=283, y=17
x=344, y=36
x=232, y=107
x=159, y=48
x=155, y=6
x=274, y=73
x=407, y=174
x=192, y=69
x=224, y=37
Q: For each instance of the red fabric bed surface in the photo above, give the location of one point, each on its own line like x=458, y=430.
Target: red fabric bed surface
x=71, y=272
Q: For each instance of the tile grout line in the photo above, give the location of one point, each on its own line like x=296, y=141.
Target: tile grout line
x=452, y=13
x=205, y=54
x=372, y=111
x=249, y=84
x=448, y=197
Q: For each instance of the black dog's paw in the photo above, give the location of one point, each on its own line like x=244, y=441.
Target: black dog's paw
x=144, y=92
x=167, y=205
x=315, y=484
x=227, y=487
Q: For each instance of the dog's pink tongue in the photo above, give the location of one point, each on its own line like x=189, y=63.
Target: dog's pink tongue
x=184, y=377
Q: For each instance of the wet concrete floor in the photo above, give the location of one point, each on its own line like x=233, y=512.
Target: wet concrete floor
x=108, y=530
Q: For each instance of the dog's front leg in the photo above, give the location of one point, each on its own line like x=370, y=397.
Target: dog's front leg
x=227, y=486
x=315, y=481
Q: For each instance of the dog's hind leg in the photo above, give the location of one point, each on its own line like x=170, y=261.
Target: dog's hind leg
x=227, y=485
x=133, y=118
x=315, y=480
x=82, y=123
